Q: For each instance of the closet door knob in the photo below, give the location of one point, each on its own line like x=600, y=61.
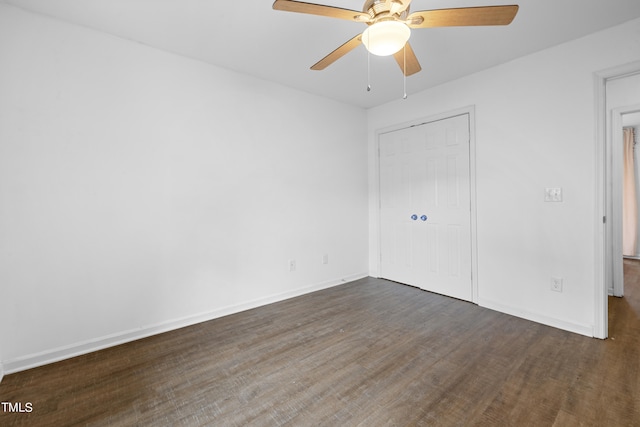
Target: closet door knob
x=423, y=217
x=414, y=217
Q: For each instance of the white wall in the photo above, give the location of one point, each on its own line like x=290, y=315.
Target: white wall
x=141, y=191
x=623, y=92
x=535, y=128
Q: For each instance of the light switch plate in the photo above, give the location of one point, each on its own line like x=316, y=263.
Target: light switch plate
x=553, y=194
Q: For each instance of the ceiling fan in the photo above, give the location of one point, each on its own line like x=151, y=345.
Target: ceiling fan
x=390, y=23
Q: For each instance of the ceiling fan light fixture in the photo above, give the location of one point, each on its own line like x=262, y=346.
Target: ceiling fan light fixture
x=385, y=38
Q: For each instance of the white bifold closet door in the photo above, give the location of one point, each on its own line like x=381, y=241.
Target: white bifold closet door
x=425, y=207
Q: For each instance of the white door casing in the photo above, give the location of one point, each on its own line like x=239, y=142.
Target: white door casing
x=425, y=206
x=604, y=260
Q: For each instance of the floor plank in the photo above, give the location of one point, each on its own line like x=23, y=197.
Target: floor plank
x=367, y=353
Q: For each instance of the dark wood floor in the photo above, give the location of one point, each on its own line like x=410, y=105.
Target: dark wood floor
x=367, y=353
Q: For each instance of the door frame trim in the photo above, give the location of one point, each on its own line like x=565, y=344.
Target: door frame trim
x=375, y=190
x=604, y=198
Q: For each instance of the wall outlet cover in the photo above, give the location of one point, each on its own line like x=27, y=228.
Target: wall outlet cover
x=556, y=284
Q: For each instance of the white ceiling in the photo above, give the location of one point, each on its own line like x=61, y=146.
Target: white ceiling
x=250, y=37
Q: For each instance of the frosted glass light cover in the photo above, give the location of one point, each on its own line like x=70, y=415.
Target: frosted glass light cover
x=386, y=37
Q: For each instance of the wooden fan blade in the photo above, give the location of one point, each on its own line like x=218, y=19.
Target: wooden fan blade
x=322, y=10
x=338, y=53
x=464, y=16
x=407, y=56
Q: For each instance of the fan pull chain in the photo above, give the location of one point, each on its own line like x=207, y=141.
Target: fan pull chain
x=368, y=67
x=404, y=71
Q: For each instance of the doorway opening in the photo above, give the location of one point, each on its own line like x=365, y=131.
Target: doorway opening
x=621, y=118
x=613, y=102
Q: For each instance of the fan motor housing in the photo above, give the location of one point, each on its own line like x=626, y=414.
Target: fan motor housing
x=381, y=8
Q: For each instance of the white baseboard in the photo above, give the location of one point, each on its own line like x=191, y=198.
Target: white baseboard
x=577, y=328
x=77, y=349
x=1, y=372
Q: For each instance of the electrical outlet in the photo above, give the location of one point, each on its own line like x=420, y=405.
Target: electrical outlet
x=325, y=259
x=556, y=284
x=292, y=265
